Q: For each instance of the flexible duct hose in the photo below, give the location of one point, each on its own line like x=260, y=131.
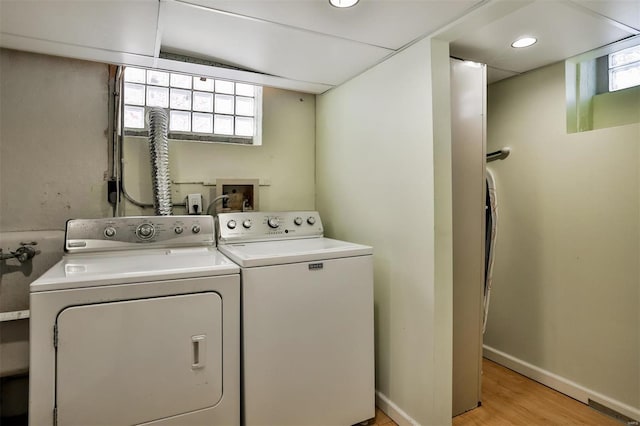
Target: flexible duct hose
x=159, y=153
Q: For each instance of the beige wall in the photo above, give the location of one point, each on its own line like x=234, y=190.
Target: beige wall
x=53, y=140
x=54, y=150
x=566, y=280
x=284, y=163
x=616, y=108
x=375, y=185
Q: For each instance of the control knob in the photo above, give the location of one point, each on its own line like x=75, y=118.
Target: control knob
x=247, y=224
x=231, y=224
x=178, y=230
x=145, y=231
x=273, y=222
x=311, y=220
x=110, y=231
x=195, y=229
x=298, y=221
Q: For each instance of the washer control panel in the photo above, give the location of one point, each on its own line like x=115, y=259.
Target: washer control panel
x=264, y=226
x=121, y=233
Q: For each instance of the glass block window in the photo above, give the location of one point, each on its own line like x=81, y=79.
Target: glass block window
x=199, y=108
x=624, y=68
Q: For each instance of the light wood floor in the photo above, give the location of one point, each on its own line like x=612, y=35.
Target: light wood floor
x=382, y=419
x=511, y=399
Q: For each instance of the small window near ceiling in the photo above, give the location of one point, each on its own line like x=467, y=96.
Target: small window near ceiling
x=199, y=108
x=624, y=68
x=603, y=87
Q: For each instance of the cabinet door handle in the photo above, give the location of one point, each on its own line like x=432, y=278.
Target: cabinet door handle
x=199, y=347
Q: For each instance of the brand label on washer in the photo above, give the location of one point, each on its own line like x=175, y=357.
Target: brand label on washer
x=315, y=266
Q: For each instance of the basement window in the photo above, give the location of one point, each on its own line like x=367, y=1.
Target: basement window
x=624, y=68
x=603, y=87
x=618, y=70
x=200, y=109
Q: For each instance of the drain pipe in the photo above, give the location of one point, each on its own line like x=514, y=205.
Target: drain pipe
x=159, y=153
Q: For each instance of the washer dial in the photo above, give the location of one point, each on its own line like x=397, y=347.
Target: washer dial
x=145, y=231
x=273, y=222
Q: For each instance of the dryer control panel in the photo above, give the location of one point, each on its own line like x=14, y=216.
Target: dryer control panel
x=134, y=232
x=264, y=226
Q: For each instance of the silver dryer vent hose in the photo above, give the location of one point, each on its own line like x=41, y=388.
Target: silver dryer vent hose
x=159, y=153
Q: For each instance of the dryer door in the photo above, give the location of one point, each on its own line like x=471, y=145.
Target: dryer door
x=129, y=362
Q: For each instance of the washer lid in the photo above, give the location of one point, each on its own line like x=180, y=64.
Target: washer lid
x=268, y=253
x=98, y=269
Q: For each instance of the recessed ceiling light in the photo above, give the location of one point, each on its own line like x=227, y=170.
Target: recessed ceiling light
x=343, y=3
x=524, y=42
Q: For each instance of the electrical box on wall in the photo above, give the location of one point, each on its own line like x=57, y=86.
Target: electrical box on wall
x=242, y=195
x=194, y=204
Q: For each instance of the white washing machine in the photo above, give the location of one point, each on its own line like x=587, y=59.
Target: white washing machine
x=307, y=320
x=139, y=323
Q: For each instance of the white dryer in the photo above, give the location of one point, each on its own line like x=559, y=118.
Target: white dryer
x=137, y=324
x=307, y=320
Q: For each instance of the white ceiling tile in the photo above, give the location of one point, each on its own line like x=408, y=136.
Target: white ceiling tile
x=386, y=23
x=128, y=27
x=626, y=12
x=561, y=29
x=308, y=41
x=261, y=46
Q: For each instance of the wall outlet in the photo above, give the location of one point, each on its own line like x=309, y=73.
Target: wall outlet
x=194, y=204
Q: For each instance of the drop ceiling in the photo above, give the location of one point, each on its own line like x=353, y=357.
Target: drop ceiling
x=563, y=29
x=309, y=45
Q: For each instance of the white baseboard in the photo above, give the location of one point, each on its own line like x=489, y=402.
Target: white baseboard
x=393, y=411
x=559, y=383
